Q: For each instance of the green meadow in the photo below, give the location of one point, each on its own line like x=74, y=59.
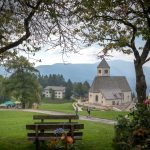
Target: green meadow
x=68, y=108
x=13, y=134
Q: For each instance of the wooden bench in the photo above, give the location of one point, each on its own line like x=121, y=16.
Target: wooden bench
x=48, y=118
x=44, y=130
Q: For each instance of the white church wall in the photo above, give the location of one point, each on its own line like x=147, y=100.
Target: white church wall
x=113, y=102
x=127, y=97
x=96, y=98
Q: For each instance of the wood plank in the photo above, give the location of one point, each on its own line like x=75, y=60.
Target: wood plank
x=52, y=134
x=51, y=138
x=40, y=117
x=55, y=122
x=54, y=126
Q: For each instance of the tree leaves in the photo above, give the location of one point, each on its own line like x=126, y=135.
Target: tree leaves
x=23, y=83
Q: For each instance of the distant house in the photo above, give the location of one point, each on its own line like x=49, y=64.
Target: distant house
x=109, y=90
x=54, y=91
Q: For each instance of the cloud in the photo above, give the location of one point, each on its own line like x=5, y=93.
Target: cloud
x=86, y=55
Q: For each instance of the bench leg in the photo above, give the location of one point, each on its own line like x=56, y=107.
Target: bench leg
x=37, y=144
x=66, y=146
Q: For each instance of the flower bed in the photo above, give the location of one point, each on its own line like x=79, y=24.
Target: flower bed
x=132, y=132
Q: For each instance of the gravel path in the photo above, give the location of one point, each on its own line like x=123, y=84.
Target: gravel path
x=106, y=121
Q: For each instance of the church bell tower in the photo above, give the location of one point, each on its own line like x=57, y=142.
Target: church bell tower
x=103, y=68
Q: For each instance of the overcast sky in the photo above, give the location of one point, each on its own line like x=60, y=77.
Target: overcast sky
x=87, y=55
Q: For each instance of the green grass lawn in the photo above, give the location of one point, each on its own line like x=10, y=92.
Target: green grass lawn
x=67, y=108
x=13, y=134
x=62, y=107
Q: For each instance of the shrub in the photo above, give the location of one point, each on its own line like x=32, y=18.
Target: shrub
x=132, y=132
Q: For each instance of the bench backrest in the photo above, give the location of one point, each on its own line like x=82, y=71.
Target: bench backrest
x=48, y=117
x=48, y=127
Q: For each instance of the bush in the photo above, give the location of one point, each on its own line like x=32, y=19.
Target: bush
x=132, y=132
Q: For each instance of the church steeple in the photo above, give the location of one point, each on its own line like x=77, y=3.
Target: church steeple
x=103, y=68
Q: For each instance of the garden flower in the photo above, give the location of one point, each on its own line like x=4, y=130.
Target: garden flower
x=147, y=103
x=69, y=140
x=141, y=132
x=59, y=131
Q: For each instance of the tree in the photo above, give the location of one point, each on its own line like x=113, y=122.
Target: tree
x=69, y=89
x=3, y=94
x=85, y=88
x=115, y=25
x=24, y=87
x=77, y=89
x=51, y=80
x=23, y=83
x=32, y=23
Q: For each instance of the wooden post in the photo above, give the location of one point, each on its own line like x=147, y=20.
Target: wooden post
x=36, y=141
x=69, y=120
x=66, y=144
x=36, y=144
x=42, y=120
x=72, y=133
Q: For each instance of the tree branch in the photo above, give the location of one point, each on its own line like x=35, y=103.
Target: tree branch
x=146, y=13
x=134, y=30
x=145, y=52
x=147, y=60
x=27, y=30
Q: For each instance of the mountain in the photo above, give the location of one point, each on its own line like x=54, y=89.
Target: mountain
x=87, y=72
x=82, y=72
x=75, y=72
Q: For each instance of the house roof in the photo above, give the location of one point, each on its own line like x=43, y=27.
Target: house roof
x=103, y=64
x=111, y=83
x=55, y=88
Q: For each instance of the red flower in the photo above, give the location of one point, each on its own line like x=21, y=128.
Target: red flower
x=146, y=102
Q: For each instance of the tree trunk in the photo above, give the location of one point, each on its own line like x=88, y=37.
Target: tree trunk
x=23, y=105
x=140, y=81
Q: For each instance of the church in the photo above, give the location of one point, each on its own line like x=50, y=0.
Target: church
x=109, y=90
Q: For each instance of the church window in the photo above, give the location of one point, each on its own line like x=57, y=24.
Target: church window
x=113, y=102
x=106, y=71
x=128, y=97
x=99, y=71
x=96, y=98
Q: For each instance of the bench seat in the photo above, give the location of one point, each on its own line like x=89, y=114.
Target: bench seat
x=51, y=136
x=65, y=126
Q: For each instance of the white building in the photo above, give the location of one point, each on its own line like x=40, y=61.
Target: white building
x=58, y=91
x=109, y=90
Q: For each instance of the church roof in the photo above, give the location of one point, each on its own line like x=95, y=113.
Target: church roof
x=110, y=83
x=112, y=94
x=103, y=64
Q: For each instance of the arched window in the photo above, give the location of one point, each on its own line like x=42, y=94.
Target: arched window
x=106, y=71
x=113, y=102
x=96, y=98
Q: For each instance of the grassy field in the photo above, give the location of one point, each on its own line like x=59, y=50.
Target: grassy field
x=13, y=133
x=67, y=108
x=62, y=107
